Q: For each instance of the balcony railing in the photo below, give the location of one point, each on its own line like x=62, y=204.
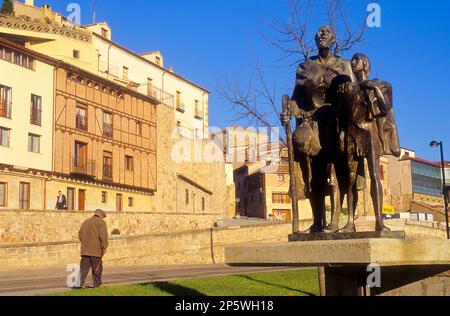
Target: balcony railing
x=85, y=168
x=36, y=117
x=107, y=172
x=5, y=109
x=161, y=96
x=81, y=122
x=107, y=130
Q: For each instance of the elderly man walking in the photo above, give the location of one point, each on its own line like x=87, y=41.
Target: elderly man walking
x=94, y=243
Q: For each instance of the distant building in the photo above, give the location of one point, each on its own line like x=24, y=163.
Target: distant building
x=264, y=193
x=417, y=184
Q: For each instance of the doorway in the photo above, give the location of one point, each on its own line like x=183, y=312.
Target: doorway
x=81, y=200
x=119, y=202
x=70, y=199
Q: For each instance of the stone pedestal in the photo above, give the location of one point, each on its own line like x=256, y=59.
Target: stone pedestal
x=404, y=264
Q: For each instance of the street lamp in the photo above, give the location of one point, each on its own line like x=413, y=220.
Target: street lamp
x=436, y=144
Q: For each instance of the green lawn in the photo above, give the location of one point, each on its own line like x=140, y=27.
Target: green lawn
x=283, y=283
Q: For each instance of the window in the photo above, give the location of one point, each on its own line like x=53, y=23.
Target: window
x=119, y=203
x=180, y=105
x=76, y=54
x=281, y=177
x=34, y=143
x=5, y=101
x=107, y=166
x=3, y=194
x=150, y=87
x=158, y=60
x=4, y=137
x=186, y=192
x=107, y=125
x=104, y=197
x=281, y=198
x=81, y=118
x=17, y=58
x=203, y=204
x=198, y=112
x=8, y=54
x=129, y=163
x=36, y=110
x=130, y=202
x=139, y=128
x=25, y=61
x=125, y=73
x=24, y=196
x=179, y=129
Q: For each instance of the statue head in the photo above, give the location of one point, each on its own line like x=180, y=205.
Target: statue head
x=361, y=63
x=325, y=37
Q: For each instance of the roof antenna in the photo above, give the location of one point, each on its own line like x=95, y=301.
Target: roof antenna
x=94, y=9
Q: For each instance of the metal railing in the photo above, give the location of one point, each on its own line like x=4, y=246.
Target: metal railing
x=5, y=109
x=108, y=130
x=107, y=172
x=36, y=116
x=83, y=167
x=81, y=122
x=161, y=96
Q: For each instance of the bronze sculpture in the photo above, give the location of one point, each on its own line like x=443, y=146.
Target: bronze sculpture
x=342, y=118
x=315, y=139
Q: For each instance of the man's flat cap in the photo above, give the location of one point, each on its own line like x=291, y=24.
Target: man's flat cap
x=100, y=212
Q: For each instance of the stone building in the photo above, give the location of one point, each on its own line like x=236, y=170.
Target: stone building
x=84, y=135
x=118, y=117
x=26, y=125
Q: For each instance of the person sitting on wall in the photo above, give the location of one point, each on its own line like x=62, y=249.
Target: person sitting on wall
x=61, y=201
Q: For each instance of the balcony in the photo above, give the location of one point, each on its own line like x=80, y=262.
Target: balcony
x=36, y=117
x=107, y=172
x=5, y=109
x=83, y=168
x=81, y=122
x=107, y=130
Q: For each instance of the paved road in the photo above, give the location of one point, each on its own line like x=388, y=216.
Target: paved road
x=36, y=282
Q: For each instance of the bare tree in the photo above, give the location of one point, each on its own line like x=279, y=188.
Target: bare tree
x=257, y=103
x=294, y=37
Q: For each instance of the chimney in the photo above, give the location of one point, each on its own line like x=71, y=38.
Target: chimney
x=29, y=2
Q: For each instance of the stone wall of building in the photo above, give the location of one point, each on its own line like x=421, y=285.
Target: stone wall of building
x=204, y=246
x=23, y=227
x=176, y=157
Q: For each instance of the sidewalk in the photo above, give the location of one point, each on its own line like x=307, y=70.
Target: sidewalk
x=38, y=282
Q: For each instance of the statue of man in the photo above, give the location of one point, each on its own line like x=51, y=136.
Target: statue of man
x=369, y=132
x=313, y=104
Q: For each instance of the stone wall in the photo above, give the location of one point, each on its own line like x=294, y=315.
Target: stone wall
x=22, y=227
x=204, y=246
x=208, y=175
x=190, y=247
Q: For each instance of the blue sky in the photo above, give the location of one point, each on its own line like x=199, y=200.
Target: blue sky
x=208, y=40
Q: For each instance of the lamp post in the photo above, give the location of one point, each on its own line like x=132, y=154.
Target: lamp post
x=436, y=144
